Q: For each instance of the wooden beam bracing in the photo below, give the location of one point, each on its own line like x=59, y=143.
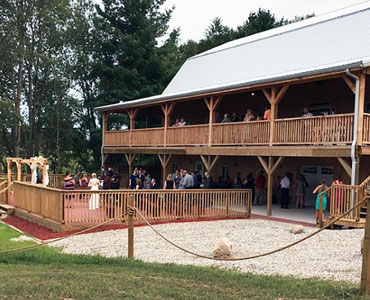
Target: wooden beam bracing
x=209, y=162
x=264, y=164
x=345, y=165
x=349, y=83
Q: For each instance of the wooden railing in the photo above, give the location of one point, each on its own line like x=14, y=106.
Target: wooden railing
x=241, y=133
x=117, y=138
x=39, y=200
x=188, y=135
x=3, y=191
x=366, y=129
x=99, y=206
x=336, y=129
x=342, y=198
x=147, y=137
x=324, y=130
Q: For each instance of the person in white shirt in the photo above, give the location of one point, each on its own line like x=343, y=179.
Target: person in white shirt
x=285, y=186
x=306, y=113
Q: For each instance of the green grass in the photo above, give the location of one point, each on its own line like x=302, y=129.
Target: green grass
x=44, y=273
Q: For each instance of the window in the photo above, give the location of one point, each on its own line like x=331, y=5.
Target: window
x=224, y=171
x=310, y=170
x=327, y=171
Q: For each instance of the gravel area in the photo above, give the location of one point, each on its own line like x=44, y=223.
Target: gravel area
x=332, y=254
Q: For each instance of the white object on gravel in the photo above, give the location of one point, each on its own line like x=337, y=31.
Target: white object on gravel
x=332, y=254
x=224, y=249
x=297, y=229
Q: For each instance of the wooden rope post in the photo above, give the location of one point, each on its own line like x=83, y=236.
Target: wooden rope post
x=365, y=278
x=130, y=222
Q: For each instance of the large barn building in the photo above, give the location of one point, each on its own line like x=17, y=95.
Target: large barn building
x=322, y=64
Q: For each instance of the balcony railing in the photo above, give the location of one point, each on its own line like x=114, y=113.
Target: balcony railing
x=314, y=130
x=321, y=130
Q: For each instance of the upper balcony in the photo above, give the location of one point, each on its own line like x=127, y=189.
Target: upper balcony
x=151, y=126
x=320, y=130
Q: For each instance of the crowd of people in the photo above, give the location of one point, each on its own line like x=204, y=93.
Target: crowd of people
x=249, y=116
x=108, y=179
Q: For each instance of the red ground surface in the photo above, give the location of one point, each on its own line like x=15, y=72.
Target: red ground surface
x=43, y=233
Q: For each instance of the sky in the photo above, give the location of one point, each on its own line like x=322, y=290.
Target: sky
x=194, y=16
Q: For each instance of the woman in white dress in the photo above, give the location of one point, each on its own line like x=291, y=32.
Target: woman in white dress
x=94, y=183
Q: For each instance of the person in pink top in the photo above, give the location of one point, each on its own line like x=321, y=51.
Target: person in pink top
x=260, y=189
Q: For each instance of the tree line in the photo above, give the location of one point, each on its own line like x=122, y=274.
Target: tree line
x=61, y=58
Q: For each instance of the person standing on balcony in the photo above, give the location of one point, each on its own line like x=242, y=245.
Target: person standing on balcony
x=267, y=114
x=306, y=113
x=260, y=189
x=169, y=184
x=226, y=118
x=208, y=181
x=285, y=186
x=249, y=116
x=182, y=122
x=188, y=180
x=115, y=181
x=84, y=182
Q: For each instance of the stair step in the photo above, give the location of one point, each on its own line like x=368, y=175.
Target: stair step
x=8, y=209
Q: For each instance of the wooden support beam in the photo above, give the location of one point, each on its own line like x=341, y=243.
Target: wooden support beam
x=208, y=162
x=345, y=165
x=167, y=110
x=212, y=104
x=130, y=157
x=276, y=164
x=270, y=184
x=164, y=159
x=264, y=164
x=274, y=97
x=361, y=107
x=269, y=168
x=349, y=83
x=132, y=115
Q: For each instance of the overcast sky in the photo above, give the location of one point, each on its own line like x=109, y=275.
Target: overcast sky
x=194, y=16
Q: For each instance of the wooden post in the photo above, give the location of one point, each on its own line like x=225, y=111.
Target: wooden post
x=130, y=222
x=164, y=159
x=361, y=106
x=167, y=110
x=365, y=274
x=44, y=167
x=269, y=169
x=132, y=115
x=19, y=171
x=212, y=104
x=9, y=177
x=274, y=98
x=130, y=159
x=270, y=184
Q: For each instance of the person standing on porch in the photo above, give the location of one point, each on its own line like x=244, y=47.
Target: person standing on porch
x=132, y=182
x=321, y=192
x=260, y=189
x=300, y=191
x=285, y=186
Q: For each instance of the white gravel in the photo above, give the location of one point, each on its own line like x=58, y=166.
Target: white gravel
x=332, y=254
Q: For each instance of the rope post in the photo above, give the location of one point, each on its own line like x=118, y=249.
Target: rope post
x=365, y=274
x=130, y=221
x=320, y=213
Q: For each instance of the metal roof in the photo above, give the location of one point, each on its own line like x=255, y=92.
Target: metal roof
x=329, y=42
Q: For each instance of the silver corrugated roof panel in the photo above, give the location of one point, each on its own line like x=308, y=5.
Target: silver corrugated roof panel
x=320, y=44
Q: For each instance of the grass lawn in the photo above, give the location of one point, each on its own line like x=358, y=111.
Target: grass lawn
x=44, y=273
